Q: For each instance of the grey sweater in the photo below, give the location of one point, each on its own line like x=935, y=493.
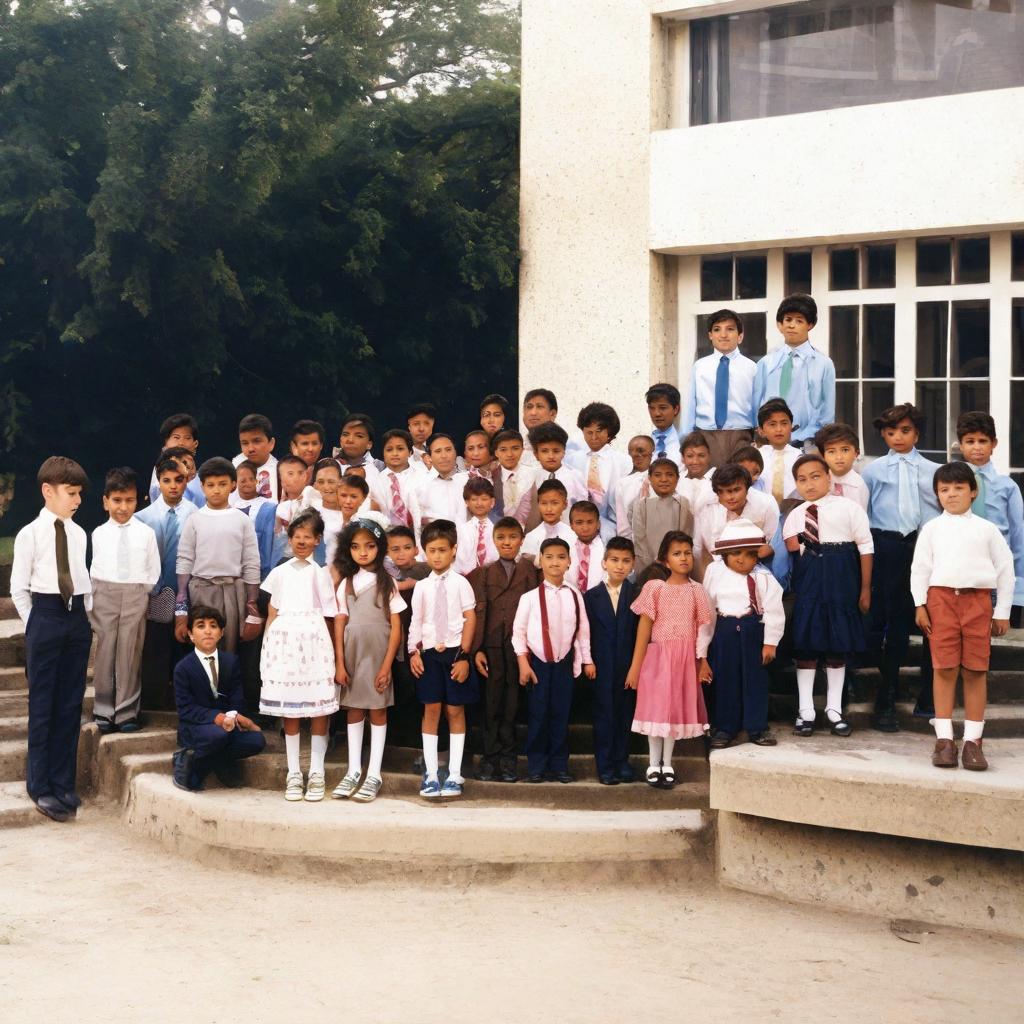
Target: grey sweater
x=219, y=542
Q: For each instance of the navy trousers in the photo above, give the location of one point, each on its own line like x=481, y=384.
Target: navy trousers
x=612, y=707
x=57, y=643
x=741, y=682
x=547, y=732
x=215, y=748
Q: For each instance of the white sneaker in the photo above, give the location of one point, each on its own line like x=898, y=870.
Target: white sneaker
x=293, y=786
x=348, y=785
x=369, y=790
x=315, y=787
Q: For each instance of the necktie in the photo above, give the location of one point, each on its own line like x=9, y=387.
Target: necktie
x=752, y=594
x=786, y=377
x=475, y=471
x=722, y=392
x=978, y=505
x=123, y=554
x=779, y=477
x=583, y=573
x=645, y=488
x=481, y=547
x=811, y=524
x=837, y=488
x=399, y=513
x=214, y=681
x=551, y=476
x=172, y=529
x=65, y=584
x=907, y=507
x=263, y=484
x=613, y=596
x=659, y=442
x=594, y=486
x=511, y=492
x=440, y=615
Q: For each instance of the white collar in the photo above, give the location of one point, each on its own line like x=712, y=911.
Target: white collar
x=206, y=510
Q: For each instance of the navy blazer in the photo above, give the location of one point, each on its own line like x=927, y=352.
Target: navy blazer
x=612, y=634
x=192, y=693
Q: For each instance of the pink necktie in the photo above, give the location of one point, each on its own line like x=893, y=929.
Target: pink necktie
x=837, y=489
x=645, y=488
x=399, y=513
x=440, y=614
x=481, y=547
x=263, y=484
x=583, y=552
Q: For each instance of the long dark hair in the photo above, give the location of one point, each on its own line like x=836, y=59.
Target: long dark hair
x=346, y=566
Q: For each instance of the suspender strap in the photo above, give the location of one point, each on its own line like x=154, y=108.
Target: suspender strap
x=549, y=651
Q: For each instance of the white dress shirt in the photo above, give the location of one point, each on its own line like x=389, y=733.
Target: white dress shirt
x=627, y=490
x=528, y=632
x=575, y=485
x=524, y=478
x=363, y=580
x=459, y=596
x=269, y=467
x=853, y=487
x=711, y=517
x=769, y=455
x=840, y=521
x=139, y=562
x=35, y=562
x=728, y=594
x=699, y=400
x=963, y=552
x=533, y=540
x=442, y=498
x=383, y=493
x=469, y=536
x=595, y=570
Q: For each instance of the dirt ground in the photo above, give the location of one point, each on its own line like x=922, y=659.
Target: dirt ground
x=97, y=925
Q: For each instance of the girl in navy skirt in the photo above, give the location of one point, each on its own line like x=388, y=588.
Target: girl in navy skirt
x=832, y=582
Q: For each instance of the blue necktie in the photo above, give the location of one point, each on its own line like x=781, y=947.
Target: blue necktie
x=172, y=530
x=722, y=392
x=659, y=438
x=907, y=507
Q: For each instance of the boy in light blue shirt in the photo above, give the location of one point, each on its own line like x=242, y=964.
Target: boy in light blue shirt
x=663, y=408
x=797, y=372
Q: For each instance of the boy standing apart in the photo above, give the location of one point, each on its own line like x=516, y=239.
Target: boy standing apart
x=51, y=591
x=125, y=568
x=797, y=372
x=256, y=439
x=959, y=559
x=720, y=401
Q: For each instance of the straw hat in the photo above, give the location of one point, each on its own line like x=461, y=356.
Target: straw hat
x=739, y=533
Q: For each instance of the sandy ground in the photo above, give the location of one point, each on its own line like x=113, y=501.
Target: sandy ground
x=97, y=925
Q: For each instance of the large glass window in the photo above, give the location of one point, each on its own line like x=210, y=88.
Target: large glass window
x=824, y=54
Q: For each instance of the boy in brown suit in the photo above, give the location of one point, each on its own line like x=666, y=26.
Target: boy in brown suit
x=498, y=588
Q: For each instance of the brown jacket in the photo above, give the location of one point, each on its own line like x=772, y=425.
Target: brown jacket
x=497, y=598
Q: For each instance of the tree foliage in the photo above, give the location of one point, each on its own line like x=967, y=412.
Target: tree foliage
x=296, y=209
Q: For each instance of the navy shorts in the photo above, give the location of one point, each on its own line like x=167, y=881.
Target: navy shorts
x=436, y=685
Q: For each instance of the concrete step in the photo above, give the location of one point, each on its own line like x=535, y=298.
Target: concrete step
x=12, y=678
x=1005, y=686
x=14, y=727
x=14, y=703
x=1002, y=721
x=12, y=760
x=16, y=809
x=111, y=774
x=12, y=650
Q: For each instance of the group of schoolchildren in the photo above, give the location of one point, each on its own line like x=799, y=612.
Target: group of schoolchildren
x=314, y=585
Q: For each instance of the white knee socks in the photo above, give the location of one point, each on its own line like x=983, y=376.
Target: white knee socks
x=291, y=749
x=430, y=755
x=378, y=733
x=805, y=688
x=834, y=700
x=666, y=754
x=655, y=746
x=317, y=753
x=973, y=731
x=355, y=747
x=456, y=746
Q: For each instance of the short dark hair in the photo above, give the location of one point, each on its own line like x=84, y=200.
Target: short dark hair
x=895, y=413
x=175, y=422
x=601, y=414
x=499, y=400
x=620, y=544
x=663, y=464
x=721, y=315
x=249, y=465
x=477, y=485
x=439, y=529
x=400, y=434
x=552, y=485
x=477, y=432
x=421, y=409
x=771, y=407
x=438, y=437
x=694, y=439
x=663, y=390
x=975, y=423
x=121, y=478
x=954, y=473
x=59, y=469
x=256, y=423
x=748, y=453
x=729, y=475
x=290, y=460
x=510, y=523
x=402, y=531
x=204, y=611
x=835, y=433
x=809, y=457
x=670, y=538
x=355, y=483
x=799, y=303
x=308, y=427
x=585, y=506
x=642, y=437
x=548, y=396
x=309, y=518
x=177, y=452
x=168, y=466
x=554, y=542
x=360, y=419
x=548, y=433
x=217, y=466
x=327, y=463
x=505, y=435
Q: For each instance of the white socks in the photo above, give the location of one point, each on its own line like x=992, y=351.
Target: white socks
x=317, y=753
x=666, y=755
x=430, y=756
x=655, y=745
x=805, y=687
x=291, y=749
x=355, y=747
x=456, y=746
x=972, y=731
x=834, y=700
x=378, y=733
x=943, y=728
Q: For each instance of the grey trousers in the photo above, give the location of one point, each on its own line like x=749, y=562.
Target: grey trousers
x=722, y=443
x=227, y=595
x=118, y=619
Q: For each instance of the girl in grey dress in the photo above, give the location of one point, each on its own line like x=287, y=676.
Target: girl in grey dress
x=367, y=632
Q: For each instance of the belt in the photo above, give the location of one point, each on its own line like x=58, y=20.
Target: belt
x=894, y=533
x=964, y=590
x=77, y=602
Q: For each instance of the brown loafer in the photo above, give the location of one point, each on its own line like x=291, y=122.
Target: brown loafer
x=971, y=756
x=944, y=754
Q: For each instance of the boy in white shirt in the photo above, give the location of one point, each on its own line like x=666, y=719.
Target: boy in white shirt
x=959, y=559
x=637, y=484
x=256, y=439
x=548, y=442
x=599, y=464
x=586, y=548
x=476, y=535
x=840, y=446
x=125, y=568
x=733, y=498
x=513, y=481
x=551, y=503
x=775, y=424
x=393, y=490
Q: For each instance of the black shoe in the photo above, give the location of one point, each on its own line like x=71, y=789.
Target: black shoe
x=52, y=808
x=509, y=774
x=71, y=800
x=804, y=727
x=762, y=739
x=924, y=710
x=105, y=727
x=885, y=720
x=840, y=728
x=132, y=725
x=535, y=777
x=230, y=775
x=608, y=779
x=720, y=739
x=564, y=777
x=182, y=761
x=485, y=772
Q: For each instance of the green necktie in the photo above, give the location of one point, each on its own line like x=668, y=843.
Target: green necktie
x=786, y=377
x=978, y=505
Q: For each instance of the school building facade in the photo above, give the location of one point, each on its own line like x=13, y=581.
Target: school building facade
x=678, y=157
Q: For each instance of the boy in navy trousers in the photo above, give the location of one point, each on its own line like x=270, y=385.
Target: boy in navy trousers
x=52, y=593
x=612, y=640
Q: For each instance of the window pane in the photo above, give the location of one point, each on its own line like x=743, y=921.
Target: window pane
x=880, y=266
x=842, y=340
x=934, y=261
x=1017, y=338
x=798, y=272
x=969, y=343
x=878, y=396
x=931, y=400
x=932, y=324
x=972, y=261
x=879, y=344
x=848, y=403
x=715, y=278
x=755, y=337
x=1017, y=423
x=1017, y=251
x=843, y=264
x=751, y=277
x=966, y=397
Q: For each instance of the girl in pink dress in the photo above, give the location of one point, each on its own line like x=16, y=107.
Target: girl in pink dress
x=669, y=702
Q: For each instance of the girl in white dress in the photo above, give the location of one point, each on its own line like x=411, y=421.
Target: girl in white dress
x=297, y=659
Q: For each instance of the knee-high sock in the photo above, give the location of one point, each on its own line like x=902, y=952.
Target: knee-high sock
x=430, y=755
x=378, y=733
x=834, y=700
x=291, y=749
x=973, y=730
x=456, y=746
x=355, y=747
x=655, y=747
x=317, y=753
x=666, y=754
x=805, y=687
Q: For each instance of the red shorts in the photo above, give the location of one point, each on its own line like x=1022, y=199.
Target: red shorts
x=961, y=628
